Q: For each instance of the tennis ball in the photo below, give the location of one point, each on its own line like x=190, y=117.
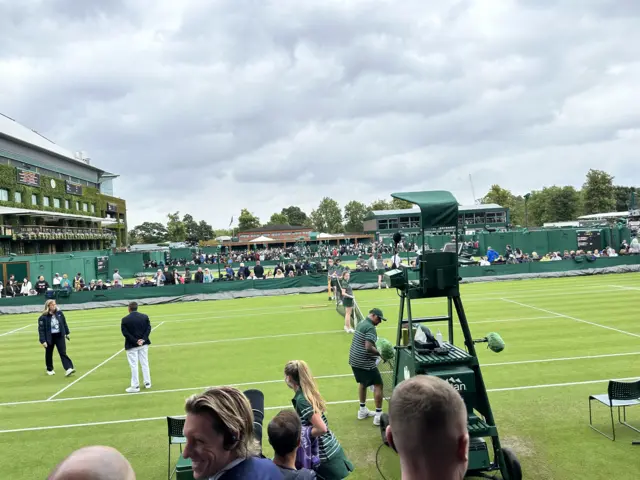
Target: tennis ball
x=385, y=348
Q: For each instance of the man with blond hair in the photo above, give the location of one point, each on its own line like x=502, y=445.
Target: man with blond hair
x=428, y=429
x=220, y=438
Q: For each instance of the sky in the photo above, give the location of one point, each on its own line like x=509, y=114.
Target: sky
x=210, y=106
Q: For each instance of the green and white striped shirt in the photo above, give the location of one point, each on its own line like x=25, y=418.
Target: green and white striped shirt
x=328, y=444
x=358, y=355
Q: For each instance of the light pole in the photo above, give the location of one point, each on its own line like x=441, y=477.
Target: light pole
x=526, y=212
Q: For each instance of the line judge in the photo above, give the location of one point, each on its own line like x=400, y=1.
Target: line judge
x=136, y=328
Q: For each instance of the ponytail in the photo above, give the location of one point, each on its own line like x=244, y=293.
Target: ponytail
x=301, y=374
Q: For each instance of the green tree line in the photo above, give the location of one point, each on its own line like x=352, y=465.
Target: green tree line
x=563, y=203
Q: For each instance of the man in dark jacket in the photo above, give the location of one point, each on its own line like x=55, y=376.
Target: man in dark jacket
x=136, y=328
x=199, y=276
x=258, y=270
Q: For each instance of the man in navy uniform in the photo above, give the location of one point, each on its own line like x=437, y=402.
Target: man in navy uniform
x=136, y=328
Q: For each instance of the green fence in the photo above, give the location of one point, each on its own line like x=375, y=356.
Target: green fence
x=319, y=281
x=47, y=265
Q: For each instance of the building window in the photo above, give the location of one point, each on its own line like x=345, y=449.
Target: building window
x=93, y=208
x=34, y=199
x=393, y=224
x=66, y=204
x=77, y=205
x=4, y=195
x=17, y=197
x=383, y=224
x=56, y=203
x=45, y=201
x=85, y=207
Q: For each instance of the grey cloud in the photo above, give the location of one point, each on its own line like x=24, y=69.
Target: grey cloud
x=272, y=103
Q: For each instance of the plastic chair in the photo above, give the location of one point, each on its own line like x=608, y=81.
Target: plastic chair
x=175, y=426
x=619, y=395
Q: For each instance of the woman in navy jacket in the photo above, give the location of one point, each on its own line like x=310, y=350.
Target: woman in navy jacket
x=53, y=329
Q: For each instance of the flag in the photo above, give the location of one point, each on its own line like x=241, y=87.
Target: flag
x=231, y=222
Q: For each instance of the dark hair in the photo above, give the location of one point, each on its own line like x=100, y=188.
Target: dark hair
x=284, y=432
x=133, y=306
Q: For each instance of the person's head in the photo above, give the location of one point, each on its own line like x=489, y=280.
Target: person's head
x=218, y=429
x=284, y=433
x=133, y=306
x=428, y=428
x=376, y=316
x=49, y=307
x=115, y=271
x=94, y=463
x=41, y=278
x=297, y=374
x=25, y=280
x=346, y=275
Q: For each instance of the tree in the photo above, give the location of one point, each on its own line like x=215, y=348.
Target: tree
x=222, y=232
x=327, y=217
x=295, y=216
x=380, y=205
x=504, y=198
x=354, y=213
x=247, y=220
x=598, y=192
x=205, y=231
x=176, y=230
x=397, y=204
x=148, y=232
x=622, y=196
x=554, y=204
x=278, y=219
x=191, y=228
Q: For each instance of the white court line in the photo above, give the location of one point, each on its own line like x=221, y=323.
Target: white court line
x=320, y=377
x=280, y=407
x=95, y=321
x=13, y=331
x=625, y=288
x=92, y=370
x=572, y=318
x=325, y=332
x=503, y=320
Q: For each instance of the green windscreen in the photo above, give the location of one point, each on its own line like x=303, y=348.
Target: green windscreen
x=438, y=208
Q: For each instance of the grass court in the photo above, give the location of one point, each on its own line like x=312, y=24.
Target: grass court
x=565, y=339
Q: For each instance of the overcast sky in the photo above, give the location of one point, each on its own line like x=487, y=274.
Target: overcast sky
x=209, y=106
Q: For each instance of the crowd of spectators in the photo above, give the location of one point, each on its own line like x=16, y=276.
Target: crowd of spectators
x=514, y=256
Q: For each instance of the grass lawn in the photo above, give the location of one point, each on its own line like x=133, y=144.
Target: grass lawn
x=565, y=338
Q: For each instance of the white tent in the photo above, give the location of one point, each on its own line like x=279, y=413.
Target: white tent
x=262, y=239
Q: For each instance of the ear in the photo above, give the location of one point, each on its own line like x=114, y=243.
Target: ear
x=389, y=436
x=463, y=447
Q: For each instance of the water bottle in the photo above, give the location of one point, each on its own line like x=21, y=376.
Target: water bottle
x=439, y=338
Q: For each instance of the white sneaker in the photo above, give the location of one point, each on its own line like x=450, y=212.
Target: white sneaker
x=346, y=329
x=366, y=413
x=132, y=390
x=376, y=419
x=69, y=372
x=147, y=385
x=351, y=330
x=50, y=372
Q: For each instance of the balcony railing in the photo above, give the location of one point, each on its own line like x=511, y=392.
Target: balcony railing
x=38, y=232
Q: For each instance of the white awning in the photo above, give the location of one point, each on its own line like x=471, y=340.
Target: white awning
x=262, y=238
x=44, y=213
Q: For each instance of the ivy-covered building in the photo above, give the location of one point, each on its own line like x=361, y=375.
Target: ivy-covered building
x=53, y=200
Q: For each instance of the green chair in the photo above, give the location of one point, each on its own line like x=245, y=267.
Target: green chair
x=175, y=427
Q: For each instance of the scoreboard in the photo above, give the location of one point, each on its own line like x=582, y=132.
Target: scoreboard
x=73, y=188
x=27, y=177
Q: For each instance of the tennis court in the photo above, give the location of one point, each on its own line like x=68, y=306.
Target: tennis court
x=565, y=339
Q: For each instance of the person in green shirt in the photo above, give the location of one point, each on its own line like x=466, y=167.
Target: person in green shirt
x=311, y=407
x=364, y=358
x=347, y=300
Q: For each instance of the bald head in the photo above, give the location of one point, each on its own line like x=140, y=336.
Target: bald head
x=94, y=463
x=428, y=421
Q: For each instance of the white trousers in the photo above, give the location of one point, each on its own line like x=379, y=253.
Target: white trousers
x=135, y=355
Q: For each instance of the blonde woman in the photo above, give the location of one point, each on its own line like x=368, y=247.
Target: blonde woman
x=311, y=407
x=53, y=329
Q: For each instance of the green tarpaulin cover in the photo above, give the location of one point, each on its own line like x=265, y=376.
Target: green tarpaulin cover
x=438, y=208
